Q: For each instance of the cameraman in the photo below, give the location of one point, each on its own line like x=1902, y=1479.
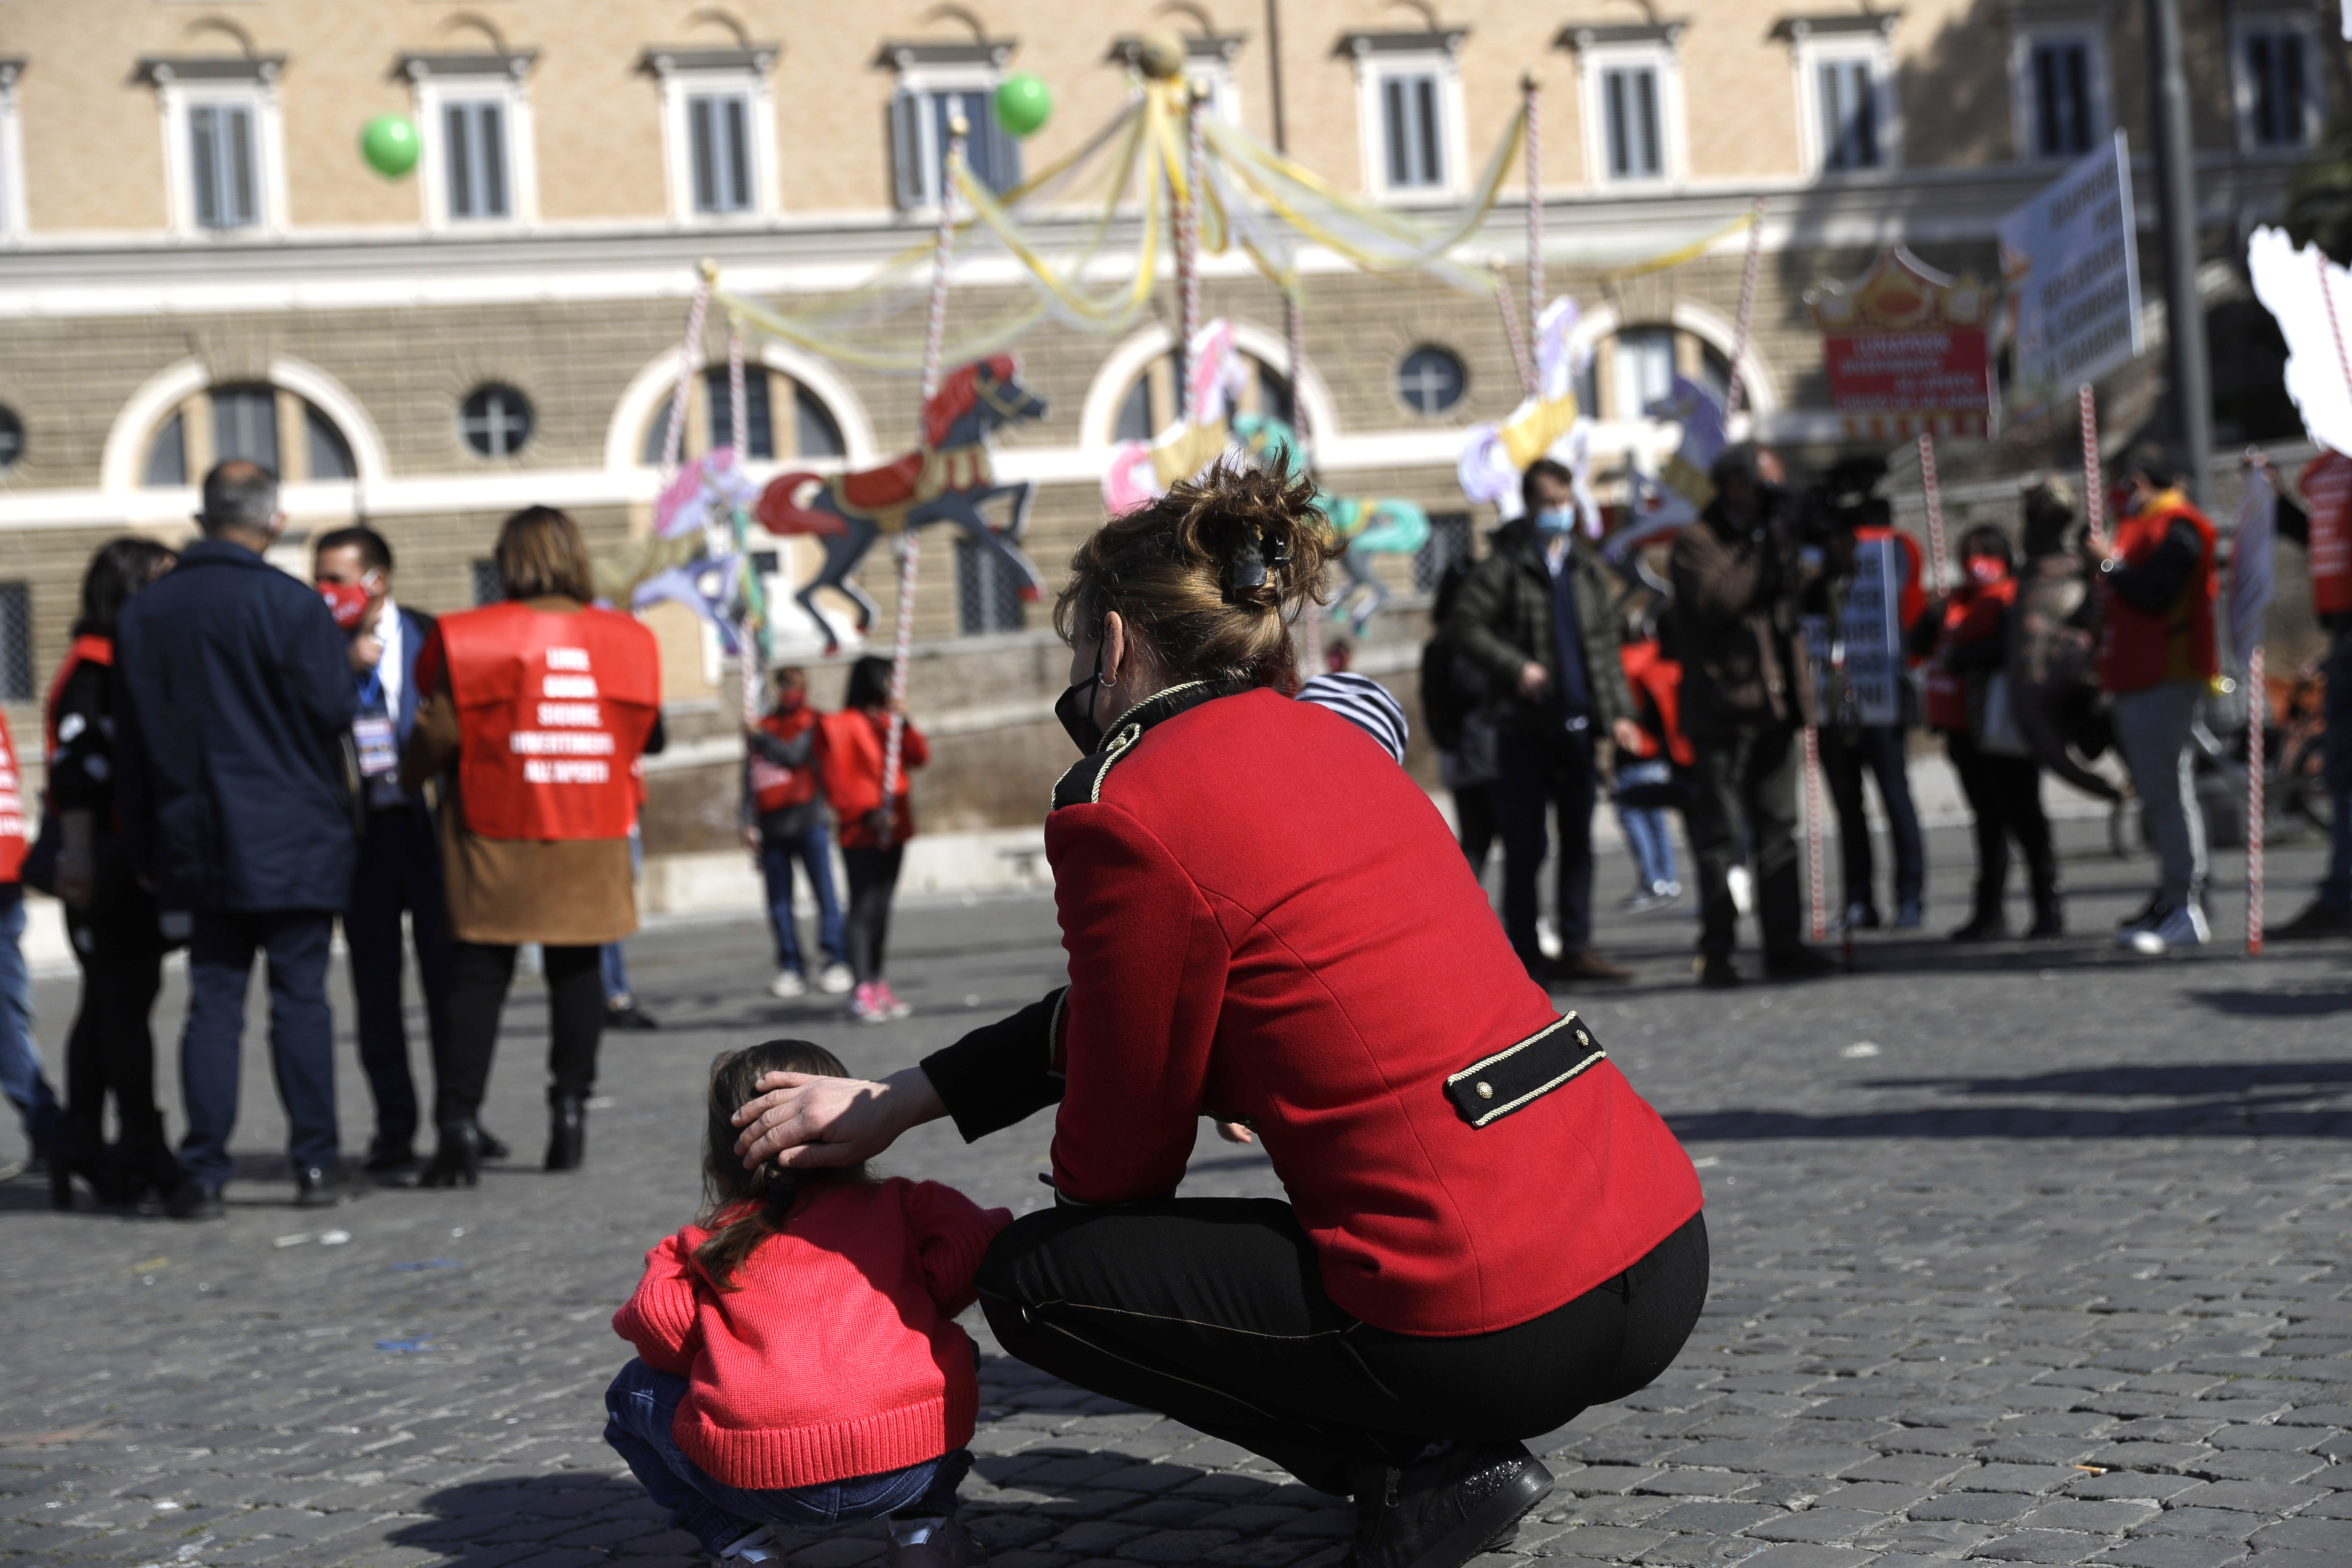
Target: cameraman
x=1747, y=688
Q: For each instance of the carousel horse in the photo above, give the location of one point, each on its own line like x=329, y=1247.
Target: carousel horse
x=948, y=479
x=1389, y=526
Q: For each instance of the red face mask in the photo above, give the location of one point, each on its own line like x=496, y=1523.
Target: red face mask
x=1985, y=570
x=790, y=701
x=349, y=601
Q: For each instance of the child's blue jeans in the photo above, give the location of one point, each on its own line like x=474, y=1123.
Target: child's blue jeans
x=1647, y=833
x=640, y=1408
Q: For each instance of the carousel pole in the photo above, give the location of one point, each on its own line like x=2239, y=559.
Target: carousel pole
x=2094, y=498
x=1522, y=358
x=1735, y=395
x=1531, y=95
x=674, y=436
x=935, y=331
x=747, y=631
x=1188, y=255
x=1939, y=572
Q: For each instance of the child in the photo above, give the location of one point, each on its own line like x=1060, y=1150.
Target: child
x=1647, y=779
x=797, y=1361
x=874, y=836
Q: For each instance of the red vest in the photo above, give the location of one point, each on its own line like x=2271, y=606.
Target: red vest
x=86, y=649
x=2326, y=486
x=1971, y=615
x=775, y=788
x=12, y=811
x=1661, y=681
x=553, y=712
x=2138, y=650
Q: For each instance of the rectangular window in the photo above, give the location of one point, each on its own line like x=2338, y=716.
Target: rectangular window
x=1644, y=372
x=919, y=121
x=988, y=590
x=1411, y=131
x=759, y=423
x=2063, y=115
x=719, y=129
x=1629, y=116
x=474, y=139
x=16, y=642
x=2276, y=90
x=221, y=162
x=1849, y=102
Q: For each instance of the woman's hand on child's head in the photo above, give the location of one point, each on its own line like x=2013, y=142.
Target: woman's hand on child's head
x=804, y=1120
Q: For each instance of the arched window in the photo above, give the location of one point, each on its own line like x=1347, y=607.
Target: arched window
x=1636, y=365
x=782, y=419
x=1150, y=401
x=281, y=430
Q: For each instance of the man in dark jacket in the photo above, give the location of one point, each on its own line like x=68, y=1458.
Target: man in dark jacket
x=1537, y=618
x=1747, y=691
x=234, y=689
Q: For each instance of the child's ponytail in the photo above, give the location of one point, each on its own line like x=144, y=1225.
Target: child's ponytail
x=744, y=1209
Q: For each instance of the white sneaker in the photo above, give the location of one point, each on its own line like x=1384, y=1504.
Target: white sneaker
x=759, y=1546
x=1743, y=889
x=836, y=979
x=2180, y=925
x=788, y=982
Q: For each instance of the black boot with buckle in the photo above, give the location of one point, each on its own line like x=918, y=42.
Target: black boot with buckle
x=1441, y=1513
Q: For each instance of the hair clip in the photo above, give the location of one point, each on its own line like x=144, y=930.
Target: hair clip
x=1249, y=562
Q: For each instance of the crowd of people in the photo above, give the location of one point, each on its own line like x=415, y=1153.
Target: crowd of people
x=2050, y=650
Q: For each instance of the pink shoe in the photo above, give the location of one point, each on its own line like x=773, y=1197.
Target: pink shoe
x=866, y=1005
x=887, y=1000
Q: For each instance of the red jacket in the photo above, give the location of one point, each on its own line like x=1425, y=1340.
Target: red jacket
x=1972, y=614
x=850, y=753
x=836, y=1355
x=1233, y=951
x=1657, y=682
x=775, y=788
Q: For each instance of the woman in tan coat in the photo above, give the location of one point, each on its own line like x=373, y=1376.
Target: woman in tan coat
x=537, y=709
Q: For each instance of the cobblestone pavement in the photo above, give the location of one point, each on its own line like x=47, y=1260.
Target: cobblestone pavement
x=2032, y=1255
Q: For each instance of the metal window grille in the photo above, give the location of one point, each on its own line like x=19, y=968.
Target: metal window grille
x=476, y=138
x=1409, y=127
x=2061, y=99
x=758, y=421
x=12, y=438
x=1849, y=116
x=245, y=424
x=487, y=588
x=328, y=453
x=1636, y=151
x=2274, y=73
x=816, y=431
x=1448, y=541
x=221, y=162
x=988, y=590
x=719, y=131
x=15, y=642
x=495, y=421
x=167, y=458
x=1430, y=380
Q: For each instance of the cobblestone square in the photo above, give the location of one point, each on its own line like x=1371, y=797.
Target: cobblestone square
x=2021, y=1254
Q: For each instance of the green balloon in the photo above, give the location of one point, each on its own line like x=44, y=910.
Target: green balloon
x=1024, y=104
x=390, y=145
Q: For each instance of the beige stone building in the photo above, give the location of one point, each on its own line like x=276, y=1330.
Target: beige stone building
x=194, y=260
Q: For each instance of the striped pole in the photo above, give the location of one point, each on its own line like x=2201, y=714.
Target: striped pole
x=1734, y=396
x=1816, y=872
x=1942, y=565
x=1187, y=257
x=2094, y=499
x=1532, y=96
x=1524, y=361
x=747, y=630
x=935, y=333
x=674, y=438
x=2258, y=712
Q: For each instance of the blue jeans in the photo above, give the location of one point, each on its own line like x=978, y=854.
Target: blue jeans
x=642, y=1405
x=20, y=1054
x=1648, y=834
x=813, y=849
x=2335, y=761
x=301, y=1034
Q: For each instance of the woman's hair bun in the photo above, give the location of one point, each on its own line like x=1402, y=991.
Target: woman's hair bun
x=1210, y=573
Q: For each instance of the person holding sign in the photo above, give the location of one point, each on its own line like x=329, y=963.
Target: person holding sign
x=536, y=711
x=2157, y=658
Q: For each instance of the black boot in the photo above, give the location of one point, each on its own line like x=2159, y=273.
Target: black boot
x=457, y=1162
x=1441, y=1513
x=567, y=1131
x=1985, y=925
x=2049, y=917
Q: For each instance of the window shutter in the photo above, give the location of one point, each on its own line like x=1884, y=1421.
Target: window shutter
x=1393, y=128
x=237, y=123
x=459, y=163
x=492, y=138
x=737, y=186
x=907, y=148
x=703, y=148
x=1003, y=169
x=204, y=163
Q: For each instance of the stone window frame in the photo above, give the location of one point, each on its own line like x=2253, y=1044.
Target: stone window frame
x=503, y=77
x=2082, y=24
x=1603, y=47
x=682, y=75
x=12, y=220
x=1379, y=57
x=2245, y=20
x=1815, y=41
x=924, y=70
x=248, y=82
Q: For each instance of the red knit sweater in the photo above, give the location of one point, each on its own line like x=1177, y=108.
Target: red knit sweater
x=837, y=1355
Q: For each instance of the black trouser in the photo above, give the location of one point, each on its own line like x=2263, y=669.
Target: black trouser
x=119, y=945
x=2005, y=800
x=873, y=877
x=479, y=973
x=1745, y=778
x=1848, y=752
x=1538, y=772
x=1474, y=812
x=1211, y=1310
x=399, y=869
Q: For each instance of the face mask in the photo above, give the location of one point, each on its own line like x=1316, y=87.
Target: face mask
x=348, y=600
x=1555, y=520
x=790, y=701
x=1076, y=709
x=1986, y=569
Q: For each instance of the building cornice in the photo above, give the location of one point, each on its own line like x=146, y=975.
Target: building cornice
x=514, y=63
x=1578, y=37
x=1835, y=25
x=159, y=70
x=757, y=59
x=902, y=55
x=1199, y=48
x=10, y=69
x=1428, y=41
